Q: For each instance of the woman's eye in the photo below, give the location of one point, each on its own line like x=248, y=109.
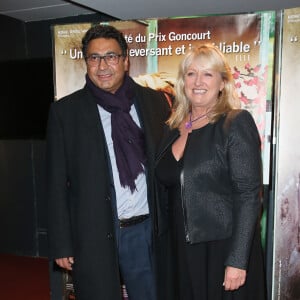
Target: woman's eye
x=189, y=74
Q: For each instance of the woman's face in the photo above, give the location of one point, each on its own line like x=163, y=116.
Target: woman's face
x=202, y=85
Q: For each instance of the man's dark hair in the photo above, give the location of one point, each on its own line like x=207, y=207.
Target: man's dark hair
x=106, y=32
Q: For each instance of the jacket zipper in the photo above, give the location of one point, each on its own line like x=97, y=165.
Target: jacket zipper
x=186, y=230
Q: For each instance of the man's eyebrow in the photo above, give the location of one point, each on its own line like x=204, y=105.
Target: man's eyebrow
x=106, y=53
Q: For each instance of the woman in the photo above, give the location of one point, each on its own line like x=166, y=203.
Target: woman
x=209, y=174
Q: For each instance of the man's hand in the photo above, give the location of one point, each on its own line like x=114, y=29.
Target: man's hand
x=234, y=278
x=65, y=262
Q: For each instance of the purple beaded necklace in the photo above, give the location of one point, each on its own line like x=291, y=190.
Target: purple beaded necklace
x=188, y=125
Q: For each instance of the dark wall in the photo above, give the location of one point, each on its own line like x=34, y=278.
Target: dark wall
x=22, y=194
x=13, y=42
x=26, y=93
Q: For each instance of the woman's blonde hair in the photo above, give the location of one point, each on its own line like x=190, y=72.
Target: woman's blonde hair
x=213, y=59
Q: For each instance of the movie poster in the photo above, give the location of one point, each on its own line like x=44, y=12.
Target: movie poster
x=156, y=46
x=286, y=268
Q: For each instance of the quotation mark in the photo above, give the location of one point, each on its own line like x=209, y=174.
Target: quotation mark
x=294, y=39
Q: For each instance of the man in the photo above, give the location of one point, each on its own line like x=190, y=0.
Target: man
x=101, y=144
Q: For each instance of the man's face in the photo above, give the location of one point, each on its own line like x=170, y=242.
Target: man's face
x=106, y=75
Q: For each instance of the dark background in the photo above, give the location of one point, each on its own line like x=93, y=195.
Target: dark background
x=27, y=89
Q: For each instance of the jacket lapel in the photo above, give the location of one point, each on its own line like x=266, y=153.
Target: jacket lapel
x=146, y=117
x=168, y=139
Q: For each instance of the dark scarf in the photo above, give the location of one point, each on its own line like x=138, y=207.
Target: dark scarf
x=128, y=138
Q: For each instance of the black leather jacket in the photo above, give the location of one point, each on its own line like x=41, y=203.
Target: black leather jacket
x=220, y=183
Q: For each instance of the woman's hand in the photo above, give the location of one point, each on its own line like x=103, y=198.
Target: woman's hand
x=234, y=278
